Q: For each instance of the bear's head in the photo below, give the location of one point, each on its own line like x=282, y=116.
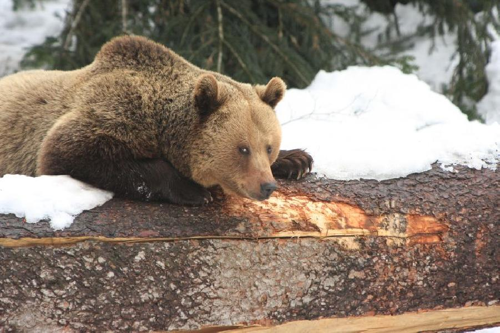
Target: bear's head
x=238, y=136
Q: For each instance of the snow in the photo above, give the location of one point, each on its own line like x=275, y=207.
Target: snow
x=378, y=123
x=27, y=27
x=489, y=106
x=55, y=198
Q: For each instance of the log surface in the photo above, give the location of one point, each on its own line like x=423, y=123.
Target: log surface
x=317, y=249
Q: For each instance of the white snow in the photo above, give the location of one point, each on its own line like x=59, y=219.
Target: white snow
x=487, y=330
x=55, y=198
x=489, y=106
x=27, y=27
x=378, y=123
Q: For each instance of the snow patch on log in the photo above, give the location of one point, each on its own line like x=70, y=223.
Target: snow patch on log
x=55, y=198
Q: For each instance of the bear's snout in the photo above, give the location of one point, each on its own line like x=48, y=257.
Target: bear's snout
x=266, y=189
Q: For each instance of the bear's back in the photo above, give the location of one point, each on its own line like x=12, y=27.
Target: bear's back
x=139, y=54
x=31, y=102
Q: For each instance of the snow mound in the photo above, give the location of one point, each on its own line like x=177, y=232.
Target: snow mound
x=19, y=30
x=378, y=123
x=55, y=198
x=489, y=106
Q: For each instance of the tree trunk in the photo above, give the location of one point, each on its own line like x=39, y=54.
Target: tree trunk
x=318, y=249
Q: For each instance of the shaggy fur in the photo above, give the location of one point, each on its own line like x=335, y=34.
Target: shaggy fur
x=144, y=123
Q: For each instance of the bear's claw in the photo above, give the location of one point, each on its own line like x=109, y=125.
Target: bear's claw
x=294, y=163
x=200, y=197
x=208, y=199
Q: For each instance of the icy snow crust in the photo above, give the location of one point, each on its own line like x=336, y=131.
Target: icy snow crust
x=55, y=198
x=378, y=123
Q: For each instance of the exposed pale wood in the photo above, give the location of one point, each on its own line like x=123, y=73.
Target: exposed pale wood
x=436, y=320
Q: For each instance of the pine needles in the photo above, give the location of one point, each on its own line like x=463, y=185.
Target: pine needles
x=254, y=40
x=250, y=40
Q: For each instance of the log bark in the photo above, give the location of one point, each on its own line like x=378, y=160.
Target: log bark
x=317, y=249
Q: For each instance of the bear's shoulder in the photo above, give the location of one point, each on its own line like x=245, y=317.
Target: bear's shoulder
x=135, y=52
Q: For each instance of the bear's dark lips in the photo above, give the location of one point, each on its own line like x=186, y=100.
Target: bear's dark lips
x=258, y=197
x=233, y=187
x=241, y=191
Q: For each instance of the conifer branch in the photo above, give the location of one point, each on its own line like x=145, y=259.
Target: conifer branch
x=124, y=16
x=268, y=41
x=240, y=60
x=74, y=24
x=221, y=36
x=251, y=40
x=191, y=20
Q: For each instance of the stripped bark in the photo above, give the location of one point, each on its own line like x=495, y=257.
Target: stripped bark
x=318, y=249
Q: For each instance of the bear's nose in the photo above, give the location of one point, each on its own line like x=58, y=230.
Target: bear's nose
x=266, y=189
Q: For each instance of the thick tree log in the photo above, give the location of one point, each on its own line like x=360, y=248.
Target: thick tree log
x=317, y=249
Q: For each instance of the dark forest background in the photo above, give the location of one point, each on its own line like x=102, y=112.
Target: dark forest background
x=253, y=40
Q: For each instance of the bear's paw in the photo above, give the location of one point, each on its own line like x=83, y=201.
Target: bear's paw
x=295, y=163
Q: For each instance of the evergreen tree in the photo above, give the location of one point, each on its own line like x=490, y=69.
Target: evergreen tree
x=250, y=40
x=253, y=40
x=471, y=21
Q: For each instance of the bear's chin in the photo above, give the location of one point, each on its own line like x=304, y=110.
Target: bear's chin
x=241, y=192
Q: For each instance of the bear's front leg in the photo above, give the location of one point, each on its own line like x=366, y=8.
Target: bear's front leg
x=294, y=163
x=153, y=180
x=75, y=148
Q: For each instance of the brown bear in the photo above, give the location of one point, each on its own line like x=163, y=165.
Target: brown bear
x=144, y=123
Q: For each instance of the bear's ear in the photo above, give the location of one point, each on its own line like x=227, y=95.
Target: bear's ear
x=273, y=92
x=207, y=95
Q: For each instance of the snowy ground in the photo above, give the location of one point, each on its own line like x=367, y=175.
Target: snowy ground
x=24, y=28
x=436, y=59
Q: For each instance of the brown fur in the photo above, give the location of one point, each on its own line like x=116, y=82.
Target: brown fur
x=143, y=122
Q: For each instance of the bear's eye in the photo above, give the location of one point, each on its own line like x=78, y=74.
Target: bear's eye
x=244, y=150
x=269, y=150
